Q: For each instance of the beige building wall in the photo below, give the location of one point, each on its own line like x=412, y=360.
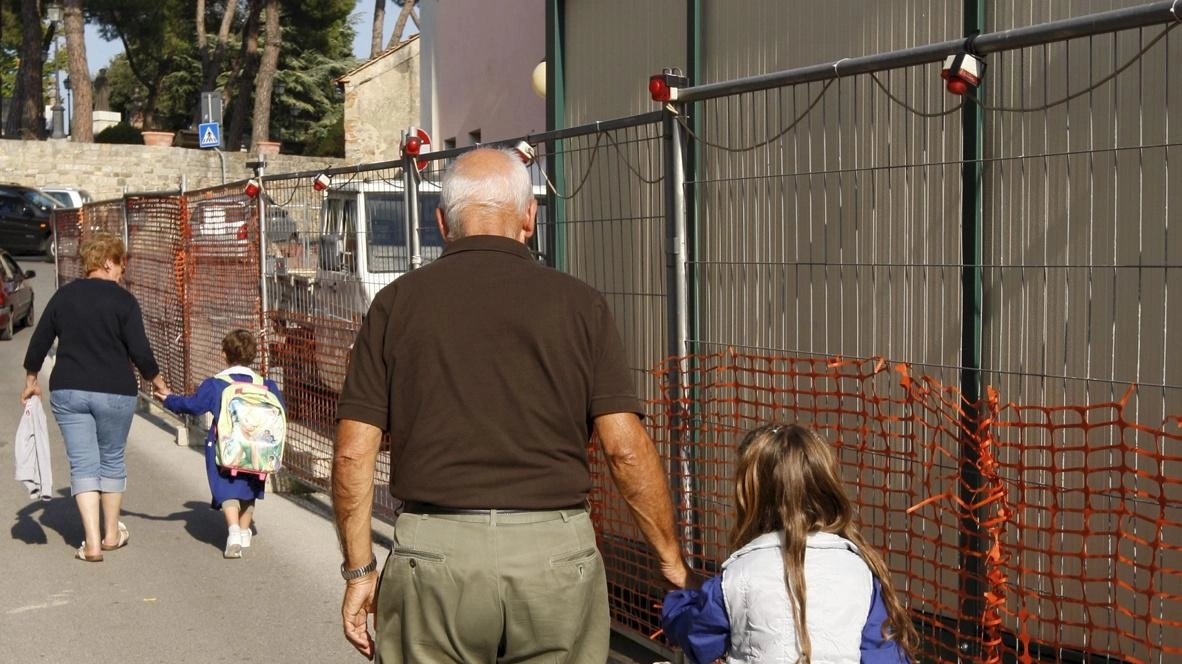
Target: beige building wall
x=478, y=59
x=381, y=100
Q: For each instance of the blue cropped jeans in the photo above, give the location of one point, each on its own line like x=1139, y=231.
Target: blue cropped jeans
x=95, y=427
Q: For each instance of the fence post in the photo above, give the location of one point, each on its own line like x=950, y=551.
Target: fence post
x=410, y=199
x=259, y=168
x=677, y=268
x=555, y=119
x=973, y=545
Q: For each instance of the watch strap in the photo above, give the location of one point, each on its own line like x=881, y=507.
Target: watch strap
x=359, y=572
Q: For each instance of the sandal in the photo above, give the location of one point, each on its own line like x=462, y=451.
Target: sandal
x=80, y=554
x=124, y=537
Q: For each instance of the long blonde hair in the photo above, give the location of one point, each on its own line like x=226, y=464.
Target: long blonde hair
x=787, y=480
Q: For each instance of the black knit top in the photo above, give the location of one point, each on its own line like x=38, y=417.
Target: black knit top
x=100, y=333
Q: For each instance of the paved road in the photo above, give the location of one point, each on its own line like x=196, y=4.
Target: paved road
x=169, y=596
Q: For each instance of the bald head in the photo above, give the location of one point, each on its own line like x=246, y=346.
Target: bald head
x=487, y=192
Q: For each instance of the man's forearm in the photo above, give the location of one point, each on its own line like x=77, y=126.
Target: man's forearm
x=637, y=471
x=353, y=462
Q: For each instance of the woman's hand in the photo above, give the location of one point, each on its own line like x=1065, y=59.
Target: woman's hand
x=160, y=388
x=31, y=387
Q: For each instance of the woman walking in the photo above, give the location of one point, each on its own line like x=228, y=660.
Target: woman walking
x=100, y=333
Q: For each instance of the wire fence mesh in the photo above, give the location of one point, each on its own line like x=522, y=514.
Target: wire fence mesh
x=1037, y=523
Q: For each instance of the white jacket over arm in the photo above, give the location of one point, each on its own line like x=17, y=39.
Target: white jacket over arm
x=32, y=451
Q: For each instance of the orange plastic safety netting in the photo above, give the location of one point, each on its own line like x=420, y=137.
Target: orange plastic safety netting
x=1014, y=532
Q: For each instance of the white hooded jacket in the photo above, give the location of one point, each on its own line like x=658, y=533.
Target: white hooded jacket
x=838, y=590
x=32, y=451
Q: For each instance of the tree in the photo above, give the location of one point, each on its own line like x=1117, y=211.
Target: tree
x=82, y=122
x=28, y=98
x=408, y=7
x=261, y=118
x=10, y=43
x=157, y=38
x=213, y=57
x=242, y=76
x=379, y=20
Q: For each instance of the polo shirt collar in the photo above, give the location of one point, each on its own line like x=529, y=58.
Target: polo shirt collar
x=487, y=243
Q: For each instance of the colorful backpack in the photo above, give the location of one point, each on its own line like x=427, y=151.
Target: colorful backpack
x=251, y=428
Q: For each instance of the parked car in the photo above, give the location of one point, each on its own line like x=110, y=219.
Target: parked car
x=25, y=224
x=16, y=296
x=67, y=197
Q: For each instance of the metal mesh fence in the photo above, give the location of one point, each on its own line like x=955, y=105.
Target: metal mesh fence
x=826, y=229
x=157, y=239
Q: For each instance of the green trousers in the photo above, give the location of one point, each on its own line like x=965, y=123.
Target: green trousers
x=503, y=587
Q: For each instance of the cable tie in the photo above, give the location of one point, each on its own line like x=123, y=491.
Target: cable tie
x=970, y=42
x=838, y=63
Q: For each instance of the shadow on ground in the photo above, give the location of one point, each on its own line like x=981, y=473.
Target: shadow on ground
x=35, y=521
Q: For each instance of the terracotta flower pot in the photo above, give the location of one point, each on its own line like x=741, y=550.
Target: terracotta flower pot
x=269, y=147
x=158, y=138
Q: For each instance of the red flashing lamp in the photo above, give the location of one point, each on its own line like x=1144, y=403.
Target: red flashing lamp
x=242, y=234
x=415, y=142
x=253, y=187
x=659, y=89
x=321, y=182
x=963, y=72
x=663, y=87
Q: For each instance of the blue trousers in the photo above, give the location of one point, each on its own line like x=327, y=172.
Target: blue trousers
x=95, y=427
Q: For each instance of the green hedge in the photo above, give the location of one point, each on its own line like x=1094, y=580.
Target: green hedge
x=120, y=133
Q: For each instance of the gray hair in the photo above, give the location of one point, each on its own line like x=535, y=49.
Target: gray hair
x=472, y=199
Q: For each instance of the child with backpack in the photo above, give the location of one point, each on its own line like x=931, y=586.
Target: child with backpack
x=803, y=586
x=246, y=438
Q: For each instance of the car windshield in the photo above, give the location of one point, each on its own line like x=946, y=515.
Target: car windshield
x=61, y=197
x=39, y=199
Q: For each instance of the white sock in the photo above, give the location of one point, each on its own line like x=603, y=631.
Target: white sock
x=234, y=529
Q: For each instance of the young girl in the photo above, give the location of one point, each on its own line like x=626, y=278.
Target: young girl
x=234, y=495
x=803, y=585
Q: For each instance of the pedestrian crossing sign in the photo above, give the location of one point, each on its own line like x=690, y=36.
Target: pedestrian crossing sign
x=209, y=135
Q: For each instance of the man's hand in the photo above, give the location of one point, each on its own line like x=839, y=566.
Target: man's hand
x=356, y=610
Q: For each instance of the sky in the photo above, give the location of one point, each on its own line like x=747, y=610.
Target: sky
x=100, y=52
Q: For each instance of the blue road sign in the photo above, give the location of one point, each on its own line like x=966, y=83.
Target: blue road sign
x=209, y=135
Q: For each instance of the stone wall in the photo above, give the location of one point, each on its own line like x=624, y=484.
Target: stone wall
x=381, y=101
x=109, y=170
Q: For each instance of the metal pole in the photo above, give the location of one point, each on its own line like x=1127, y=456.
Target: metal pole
x=555, y=119
x=1071, y=28
x=264, y=301
x=410, y=188
x=973, y=545
x=221, y=158
x=677, y=264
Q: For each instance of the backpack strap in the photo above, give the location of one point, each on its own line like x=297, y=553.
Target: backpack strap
x=228, y=375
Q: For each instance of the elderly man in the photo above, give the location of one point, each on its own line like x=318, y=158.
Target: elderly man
x=489, y=370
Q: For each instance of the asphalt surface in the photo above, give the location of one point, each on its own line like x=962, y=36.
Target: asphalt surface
x=169, y=596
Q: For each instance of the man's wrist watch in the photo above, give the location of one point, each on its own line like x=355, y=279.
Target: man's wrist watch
x=348, y=574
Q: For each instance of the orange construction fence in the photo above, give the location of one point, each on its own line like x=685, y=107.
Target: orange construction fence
x=1015, y=533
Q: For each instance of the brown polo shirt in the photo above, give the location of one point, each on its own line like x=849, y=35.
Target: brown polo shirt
x=487, y=370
